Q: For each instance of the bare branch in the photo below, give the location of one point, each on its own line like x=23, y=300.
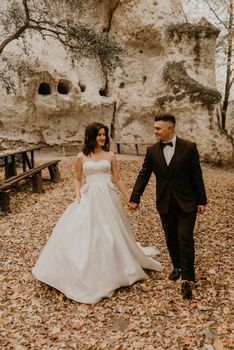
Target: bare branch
x=16, y=35
x=26, y=11
x=20, y=31
x=216, y=15
x=231, y=82
x=182, y=9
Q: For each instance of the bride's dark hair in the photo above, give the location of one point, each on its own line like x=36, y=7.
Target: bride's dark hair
x=91, y=132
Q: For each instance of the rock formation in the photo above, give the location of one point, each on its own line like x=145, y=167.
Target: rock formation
x=167, y=66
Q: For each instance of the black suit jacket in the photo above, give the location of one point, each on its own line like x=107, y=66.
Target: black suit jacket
x=182, y=178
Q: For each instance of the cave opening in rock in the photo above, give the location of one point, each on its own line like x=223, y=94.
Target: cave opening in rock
x=82, y=86
x=44, y=89
x=103, y=92
x=64, y=87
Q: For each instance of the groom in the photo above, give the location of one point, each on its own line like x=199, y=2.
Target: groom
x=180, y=195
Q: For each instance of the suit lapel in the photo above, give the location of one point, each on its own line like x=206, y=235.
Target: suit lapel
x=176, y=156
x=160, y=157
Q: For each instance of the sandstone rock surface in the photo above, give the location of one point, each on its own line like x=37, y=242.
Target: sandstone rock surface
x=167, y=66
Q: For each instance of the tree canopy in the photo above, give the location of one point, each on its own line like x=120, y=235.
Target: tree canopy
x=58, y=20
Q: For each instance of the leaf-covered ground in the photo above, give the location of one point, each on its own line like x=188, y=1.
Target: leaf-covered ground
x=151, y=314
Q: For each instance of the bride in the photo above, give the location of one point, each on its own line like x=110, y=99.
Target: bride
x=92, y=250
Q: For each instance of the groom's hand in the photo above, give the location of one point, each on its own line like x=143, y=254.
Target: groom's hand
x=133, y=206
x=201, y=209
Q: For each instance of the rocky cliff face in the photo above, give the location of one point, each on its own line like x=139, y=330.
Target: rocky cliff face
x=167, y=66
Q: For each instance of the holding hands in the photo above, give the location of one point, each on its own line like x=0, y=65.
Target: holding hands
x=136, y=206
x=133, y=206
x=201, y=209
x=77, y=198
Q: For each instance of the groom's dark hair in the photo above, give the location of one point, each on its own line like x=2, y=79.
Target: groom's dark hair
x=165, y=118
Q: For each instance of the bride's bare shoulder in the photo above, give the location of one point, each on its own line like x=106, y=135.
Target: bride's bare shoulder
x=80, y=157
x=111, y=155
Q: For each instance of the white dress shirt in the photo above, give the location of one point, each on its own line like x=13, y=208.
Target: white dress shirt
x=168, y=151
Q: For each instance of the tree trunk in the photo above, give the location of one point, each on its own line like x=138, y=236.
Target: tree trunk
x=228, y=71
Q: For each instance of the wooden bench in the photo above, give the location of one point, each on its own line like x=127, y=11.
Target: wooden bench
x=24, y=156
x=34, y=173
x=118, y=144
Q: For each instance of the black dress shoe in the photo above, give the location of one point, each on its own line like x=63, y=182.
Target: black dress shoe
x=186, y=290
x=174, y=275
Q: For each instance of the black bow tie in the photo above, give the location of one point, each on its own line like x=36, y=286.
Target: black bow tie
x=163, y=144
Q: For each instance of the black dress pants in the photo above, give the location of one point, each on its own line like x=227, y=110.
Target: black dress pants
x=178, y=227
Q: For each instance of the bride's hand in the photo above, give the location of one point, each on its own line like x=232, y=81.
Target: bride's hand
x=133, y=206
x=77, y=199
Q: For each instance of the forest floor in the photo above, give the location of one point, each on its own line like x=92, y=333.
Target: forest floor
x=150, y=314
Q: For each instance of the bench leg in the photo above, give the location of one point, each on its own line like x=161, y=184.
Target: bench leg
x=54, y=173
x=5, y=201
x=137, y=150
x=118, y=148
x=37, y=182
x=10, y=168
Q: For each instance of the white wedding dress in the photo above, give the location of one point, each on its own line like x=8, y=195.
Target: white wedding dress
x=92, y=250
